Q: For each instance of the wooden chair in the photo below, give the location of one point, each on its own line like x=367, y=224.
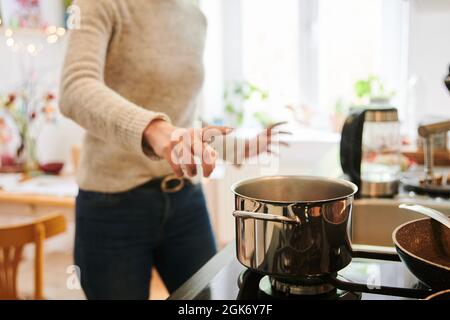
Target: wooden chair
x=13, y=239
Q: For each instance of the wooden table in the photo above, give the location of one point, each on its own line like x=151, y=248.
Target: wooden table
x=37, y=193
x=36, y=200
x=21, y=207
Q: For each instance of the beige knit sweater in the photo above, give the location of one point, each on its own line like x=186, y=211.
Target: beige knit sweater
x=131, y=62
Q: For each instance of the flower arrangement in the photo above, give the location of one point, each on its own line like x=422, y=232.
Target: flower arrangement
x=24, y=13
x=23, y=116
x=33, y=14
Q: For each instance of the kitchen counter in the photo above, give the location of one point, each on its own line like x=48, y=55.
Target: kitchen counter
x=199, y=285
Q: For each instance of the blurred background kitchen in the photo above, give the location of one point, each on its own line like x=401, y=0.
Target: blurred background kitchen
x=307, y=62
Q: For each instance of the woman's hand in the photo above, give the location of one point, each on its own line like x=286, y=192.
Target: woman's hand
x=182, y=148
x=266, y=141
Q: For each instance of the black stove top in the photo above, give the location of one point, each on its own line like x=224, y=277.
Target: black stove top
x=224, y=278
x=255, y=286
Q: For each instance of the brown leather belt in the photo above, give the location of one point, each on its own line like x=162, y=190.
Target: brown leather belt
x=168, y=184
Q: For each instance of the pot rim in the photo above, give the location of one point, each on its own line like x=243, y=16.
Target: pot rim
x=325, y=179
x=409, y=253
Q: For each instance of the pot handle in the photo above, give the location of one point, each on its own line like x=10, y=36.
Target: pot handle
x=265, y=216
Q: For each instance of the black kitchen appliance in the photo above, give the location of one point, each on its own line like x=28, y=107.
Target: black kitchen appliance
x=365, y=278
x=370, y=150
x=447, y=80
x=346, y=284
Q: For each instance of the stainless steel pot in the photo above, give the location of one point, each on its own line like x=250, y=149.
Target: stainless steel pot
x=293, y=226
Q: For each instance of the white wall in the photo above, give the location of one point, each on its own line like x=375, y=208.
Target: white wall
x=223, y=51
x=429, y=55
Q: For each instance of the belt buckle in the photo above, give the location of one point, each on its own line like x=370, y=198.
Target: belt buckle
x=169, y=180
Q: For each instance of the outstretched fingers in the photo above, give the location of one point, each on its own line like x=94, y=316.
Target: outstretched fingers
x=210, y=132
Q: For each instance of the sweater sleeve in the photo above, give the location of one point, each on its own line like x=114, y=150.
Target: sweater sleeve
x=85, y=98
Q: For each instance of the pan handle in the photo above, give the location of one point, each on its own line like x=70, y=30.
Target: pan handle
x=375, y=255
x=265, y=217
x=382, y=290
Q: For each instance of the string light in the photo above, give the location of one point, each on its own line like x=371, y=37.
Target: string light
x=8, y=33
x=52, y=39
x=53, y=35
x=51, y=29
x=61, y=32
x=31, y=48
x=10, y=42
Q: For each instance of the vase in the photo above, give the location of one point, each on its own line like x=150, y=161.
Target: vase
x=29, y=156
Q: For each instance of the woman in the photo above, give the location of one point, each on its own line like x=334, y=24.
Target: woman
x=131, y=76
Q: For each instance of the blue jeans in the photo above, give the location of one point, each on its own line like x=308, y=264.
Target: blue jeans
x=120, y=237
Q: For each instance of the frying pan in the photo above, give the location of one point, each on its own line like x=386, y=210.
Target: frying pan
x=443, y=295
x=424, y=247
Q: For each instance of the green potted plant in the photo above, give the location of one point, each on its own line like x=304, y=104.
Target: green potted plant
x=368, y=92
x=237, y=98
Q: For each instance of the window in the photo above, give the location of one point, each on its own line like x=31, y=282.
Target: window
x=307, y=54
x=357, y=39
x=270, y=60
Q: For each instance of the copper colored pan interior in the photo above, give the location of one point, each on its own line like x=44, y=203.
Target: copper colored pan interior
x=426, y=239
x=442, y=295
